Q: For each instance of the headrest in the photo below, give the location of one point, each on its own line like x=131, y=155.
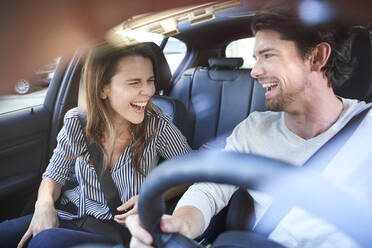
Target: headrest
x=161, y=69
x=172, y=107
x=230, y=63
x=359, y=85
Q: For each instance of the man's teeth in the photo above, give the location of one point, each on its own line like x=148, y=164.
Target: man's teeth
x=139, y=104
x=269, y=85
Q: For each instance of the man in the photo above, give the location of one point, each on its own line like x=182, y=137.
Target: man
x=298, y=65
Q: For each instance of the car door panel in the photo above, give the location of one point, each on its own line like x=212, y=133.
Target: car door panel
x=28, y=137
x=23, y=149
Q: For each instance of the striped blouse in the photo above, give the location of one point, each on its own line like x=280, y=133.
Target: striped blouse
x=87, y=195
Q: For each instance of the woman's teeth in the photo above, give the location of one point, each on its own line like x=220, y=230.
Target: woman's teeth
x=139, y=104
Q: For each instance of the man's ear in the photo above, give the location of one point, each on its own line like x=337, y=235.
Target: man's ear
x=320, y=56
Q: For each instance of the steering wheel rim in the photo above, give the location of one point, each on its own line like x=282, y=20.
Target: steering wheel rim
x=270, y=176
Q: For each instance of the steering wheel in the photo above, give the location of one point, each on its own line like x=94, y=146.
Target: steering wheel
x=285, y=182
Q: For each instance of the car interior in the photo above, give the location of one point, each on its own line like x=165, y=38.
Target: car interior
x=206, y=97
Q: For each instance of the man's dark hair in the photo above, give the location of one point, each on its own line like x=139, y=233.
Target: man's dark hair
x=286, y=21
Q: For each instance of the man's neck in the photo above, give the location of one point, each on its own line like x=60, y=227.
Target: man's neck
x=315, y=117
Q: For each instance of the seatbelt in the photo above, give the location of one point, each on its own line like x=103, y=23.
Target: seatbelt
x=107, y=184
x=318, y=161
x=329, y=150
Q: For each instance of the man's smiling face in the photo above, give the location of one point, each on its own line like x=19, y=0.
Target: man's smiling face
x=280, y=69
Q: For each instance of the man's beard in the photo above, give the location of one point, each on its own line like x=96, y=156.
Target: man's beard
x=279, y=102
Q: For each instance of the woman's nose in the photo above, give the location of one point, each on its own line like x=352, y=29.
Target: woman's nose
x=148, y=89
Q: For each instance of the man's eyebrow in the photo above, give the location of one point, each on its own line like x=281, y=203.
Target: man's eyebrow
x=264, y=51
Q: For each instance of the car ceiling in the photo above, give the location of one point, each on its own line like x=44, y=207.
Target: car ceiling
x=208, y=34
x=199, y=26
x=230, y=18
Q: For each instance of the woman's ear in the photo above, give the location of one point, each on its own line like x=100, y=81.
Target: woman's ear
x=320, y=56
x=103, y=94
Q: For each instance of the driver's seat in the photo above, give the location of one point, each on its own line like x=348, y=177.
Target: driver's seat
x=359, y=85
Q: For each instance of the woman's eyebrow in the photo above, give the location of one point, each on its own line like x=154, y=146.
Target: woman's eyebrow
x=133, y=79
x=138, y=79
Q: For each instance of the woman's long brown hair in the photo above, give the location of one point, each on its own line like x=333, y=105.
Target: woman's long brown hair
x=100, y=66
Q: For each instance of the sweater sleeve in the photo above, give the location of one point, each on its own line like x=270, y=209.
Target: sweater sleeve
x=209, y=198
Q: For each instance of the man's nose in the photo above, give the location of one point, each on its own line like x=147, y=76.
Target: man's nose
x=257, y=70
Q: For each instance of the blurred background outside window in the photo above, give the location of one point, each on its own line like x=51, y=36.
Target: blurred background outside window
x=242, y=48
x=29, y=92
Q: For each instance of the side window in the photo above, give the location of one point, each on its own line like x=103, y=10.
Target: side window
x=242, y=48
x=29, y=92
x=174, y=49
x=174, y=52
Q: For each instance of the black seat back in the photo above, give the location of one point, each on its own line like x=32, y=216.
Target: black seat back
x=170, y=106
x=359, y=86
x=161, y=69
x=217, y=98
x=174, y=108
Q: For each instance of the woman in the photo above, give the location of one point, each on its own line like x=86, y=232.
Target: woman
x=132, y=134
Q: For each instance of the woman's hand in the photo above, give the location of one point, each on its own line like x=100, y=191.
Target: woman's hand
x=131, y=203
x=44, y=217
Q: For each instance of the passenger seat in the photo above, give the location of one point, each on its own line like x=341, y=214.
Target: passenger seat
x=217, y=98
